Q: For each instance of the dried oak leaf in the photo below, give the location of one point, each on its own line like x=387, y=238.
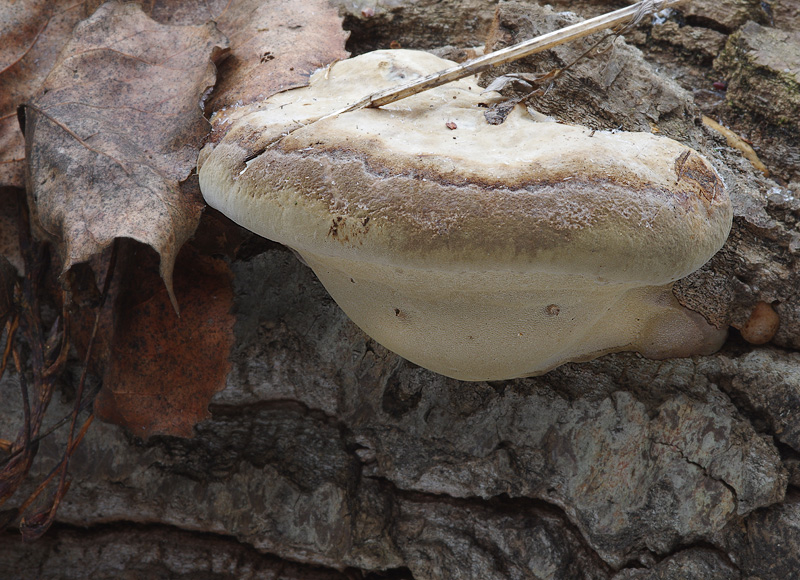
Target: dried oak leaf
x=162, y=370
x=20, y=24
x=115, y=129
x=32, y=34
x=275, y=46
x=184, y=11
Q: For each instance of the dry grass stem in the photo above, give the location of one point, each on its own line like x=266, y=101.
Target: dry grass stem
x=628, y=16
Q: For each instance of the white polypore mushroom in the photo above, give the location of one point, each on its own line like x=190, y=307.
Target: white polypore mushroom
x=477, y=251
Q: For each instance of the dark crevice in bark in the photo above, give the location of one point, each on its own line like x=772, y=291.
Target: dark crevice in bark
x=709, y=23
x=290, y=405
x=787, y=451
x=504, y=504
x=393, y=574
x=698, y=545
x=516, y=505
x=100, y=531
x=761, y=420
x=736, y=347
x=264, y=433
x=702, y=468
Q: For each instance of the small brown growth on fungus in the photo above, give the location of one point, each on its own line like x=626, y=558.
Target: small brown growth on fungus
x=762, y=324
x=503, y=253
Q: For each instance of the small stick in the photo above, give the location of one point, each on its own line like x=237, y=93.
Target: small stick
x=629, y=15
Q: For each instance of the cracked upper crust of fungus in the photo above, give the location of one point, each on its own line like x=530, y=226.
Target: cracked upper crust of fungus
x=486, y=253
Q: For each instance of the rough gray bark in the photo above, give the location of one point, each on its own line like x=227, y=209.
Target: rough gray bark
x=329, y=457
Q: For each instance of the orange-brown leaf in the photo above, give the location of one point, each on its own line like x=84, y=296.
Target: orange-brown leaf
x=115, y=129
x=275, y=46
x=163, y=370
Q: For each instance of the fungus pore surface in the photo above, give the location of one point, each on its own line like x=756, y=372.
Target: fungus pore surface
x=479, y=251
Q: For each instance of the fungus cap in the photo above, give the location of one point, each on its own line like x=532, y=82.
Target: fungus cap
x=478, y=251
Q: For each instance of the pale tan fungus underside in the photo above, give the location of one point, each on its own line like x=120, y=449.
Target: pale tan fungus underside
x=481, y=252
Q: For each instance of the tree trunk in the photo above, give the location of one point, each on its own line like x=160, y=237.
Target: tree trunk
x=328, y=456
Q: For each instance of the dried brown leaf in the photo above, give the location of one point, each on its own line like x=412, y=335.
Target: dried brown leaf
x=184, y=11
x=275, y=46
x=20, y=24
x=115, y=129
x=32, y=33
x=163, y=370
x=501, y=82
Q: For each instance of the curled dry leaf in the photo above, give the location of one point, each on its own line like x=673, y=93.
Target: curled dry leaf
x=526, y=81
x=162, y=370
x=115, y=129
x=32, y=33
x=275, y=46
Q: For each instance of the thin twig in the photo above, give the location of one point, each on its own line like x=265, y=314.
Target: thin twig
x=11, y=329
x=26, y=404
x=112, y=264
x=41, y=521
x=627, y=17
x=630, y=15
x=84, y=404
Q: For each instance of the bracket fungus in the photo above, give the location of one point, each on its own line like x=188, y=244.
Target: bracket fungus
x=480, y=252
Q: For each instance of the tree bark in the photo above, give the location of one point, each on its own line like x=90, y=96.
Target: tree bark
x=328, y=456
